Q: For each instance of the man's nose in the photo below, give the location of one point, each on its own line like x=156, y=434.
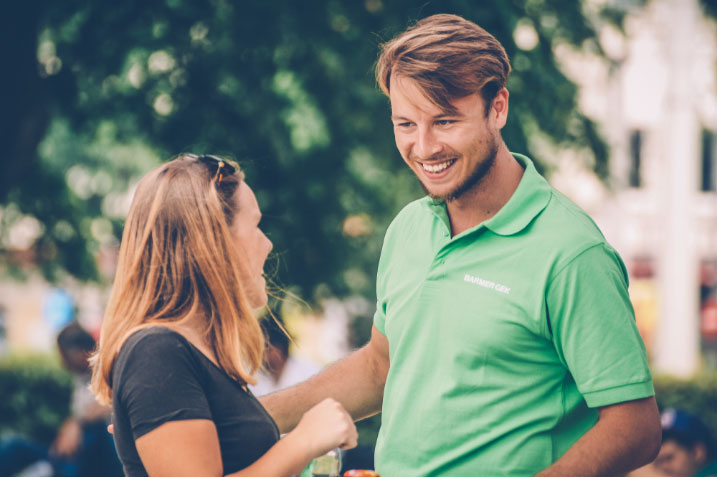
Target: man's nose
x=426, y=144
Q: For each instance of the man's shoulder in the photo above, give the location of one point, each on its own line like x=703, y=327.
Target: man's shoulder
x=412, y=215
x=564, y=232
x=417, y=207
x=565, y=223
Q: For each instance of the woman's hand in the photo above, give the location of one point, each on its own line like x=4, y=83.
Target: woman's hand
x=325, y=426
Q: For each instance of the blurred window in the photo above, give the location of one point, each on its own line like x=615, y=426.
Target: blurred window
x=708, y=312
x=643, y=294
x=635, y=179
x=3, y=331
x=709, y=160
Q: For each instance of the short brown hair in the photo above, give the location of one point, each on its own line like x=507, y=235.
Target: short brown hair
x=448, y=57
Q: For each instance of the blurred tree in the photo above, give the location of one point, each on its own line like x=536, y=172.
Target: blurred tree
x=98, y=92
x=710, y=7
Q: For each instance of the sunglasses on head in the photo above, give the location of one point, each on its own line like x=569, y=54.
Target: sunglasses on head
x=218, y=167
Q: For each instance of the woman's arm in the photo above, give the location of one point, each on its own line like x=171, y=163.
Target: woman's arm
x=191, y=447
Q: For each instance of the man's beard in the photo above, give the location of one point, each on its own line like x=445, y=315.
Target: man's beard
x=473, y=180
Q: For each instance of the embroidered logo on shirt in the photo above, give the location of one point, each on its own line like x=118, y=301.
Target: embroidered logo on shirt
x=487, y=284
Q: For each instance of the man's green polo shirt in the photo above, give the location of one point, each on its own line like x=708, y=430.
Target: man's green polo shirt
x=504, y=339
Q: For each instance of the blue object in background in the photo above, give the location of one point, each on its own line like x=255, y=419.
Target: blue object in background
x=59, y=309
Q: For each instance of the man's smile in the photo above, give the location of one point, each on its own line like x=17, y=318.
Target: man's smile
x=437, y=167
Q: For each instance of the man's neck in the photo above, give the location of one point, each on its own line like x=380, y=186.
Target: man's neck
x=482, y=202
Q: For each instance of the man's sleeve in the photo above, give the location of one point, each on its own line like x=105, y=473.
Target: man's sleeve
x=379, y=318
x=160, y=383
x=594, y=330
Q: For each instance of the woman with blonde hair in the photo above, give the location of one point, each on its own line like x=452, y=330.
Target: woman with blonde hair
x=180, y=341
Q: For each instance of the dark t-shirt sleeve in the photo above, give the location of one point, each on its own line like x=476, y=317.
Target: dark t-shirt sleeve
x=159, y=380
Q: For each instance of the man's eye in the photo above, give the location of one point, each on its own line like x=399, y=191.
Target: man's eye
x=444, y=122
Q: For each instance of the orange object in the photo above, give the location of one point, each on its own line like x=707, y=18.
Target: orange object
x=360, y=473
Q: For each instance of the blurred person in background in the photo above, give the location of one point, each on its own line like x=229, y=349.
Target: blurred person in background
x=82, y=447
x=504, y=340
x=180, y=341
x=3, y=332
x=281, y=368
x=688, y=446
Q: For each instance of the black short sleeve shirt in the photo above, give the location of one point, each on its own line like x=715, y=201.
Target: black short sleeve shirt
x=159, y=376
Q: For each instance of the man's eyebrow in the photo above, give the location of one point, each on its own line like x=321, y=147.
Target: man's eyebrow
x=437, y=116
x=448, y=114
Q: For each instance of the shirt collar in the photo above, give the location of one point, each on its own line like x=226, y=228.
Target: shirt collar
x=529, y=199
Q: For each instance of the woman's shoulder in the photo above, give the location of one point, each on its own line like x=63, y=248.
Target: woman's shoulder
x=153, y=355
x=157, y=333
x=156, y=337
x=154, y=347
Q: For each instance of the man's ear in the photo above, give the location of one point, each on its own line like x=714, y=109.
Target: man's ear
x=499, y=108
x=699, y=451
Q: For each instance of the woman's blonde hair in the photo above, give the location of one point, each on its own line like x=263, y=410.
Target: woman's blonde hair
x=177, y=260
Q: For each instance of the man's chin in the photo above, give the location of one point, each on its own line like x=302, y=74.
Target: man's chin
x=437, y=195
x=443, y=195
x=440, y=197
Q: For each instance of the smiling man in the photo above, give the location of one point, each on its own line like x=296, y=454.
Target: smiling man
x=504, y=342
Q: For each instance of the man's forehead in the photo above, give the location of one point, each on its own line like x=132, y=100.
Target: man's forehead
x=404, y=107
x=405, y=95
x=404, y=113
x=405, y=92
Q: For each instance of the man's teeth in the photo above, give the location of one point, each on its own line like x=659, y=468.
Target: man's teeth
x=437, y=167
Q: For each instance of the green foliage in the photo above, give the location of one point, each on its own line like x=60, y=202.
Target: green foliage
x=285, y=87
x=697, y=395
x=710, y=7
x=34, y=397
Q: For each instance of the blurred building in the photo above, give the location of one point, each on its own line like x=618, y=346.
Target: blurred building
x=656, y=99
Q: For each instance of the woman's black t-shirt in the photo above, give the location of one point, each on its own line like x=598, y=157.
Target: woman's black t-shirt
x=159, y=376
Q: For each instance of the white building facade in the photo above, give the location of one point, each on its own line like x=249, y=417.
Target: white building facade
x=657, y=103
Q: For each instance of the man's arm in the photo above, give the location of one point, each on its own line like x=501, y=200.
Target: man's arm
x=626, y=436
x=85, y=408
x=356, y=381
x=68, y=438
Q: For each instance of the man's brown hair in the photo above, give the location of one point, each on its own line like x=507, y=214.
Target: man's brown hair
x=448, y=57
